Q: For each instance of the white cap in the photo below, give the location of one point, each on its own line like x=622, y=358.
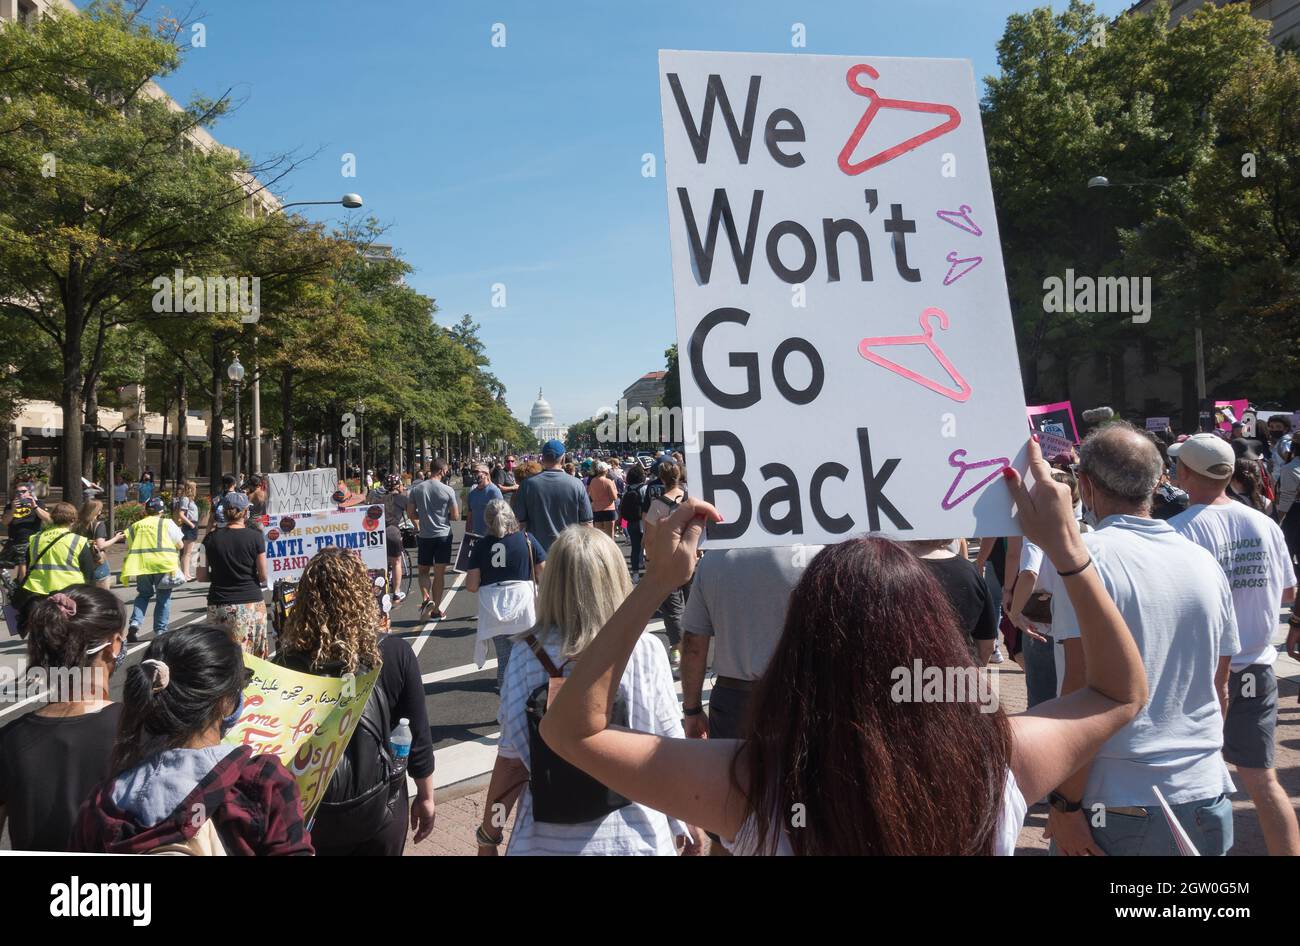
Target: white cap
x=403, y=721
x=1207, y=454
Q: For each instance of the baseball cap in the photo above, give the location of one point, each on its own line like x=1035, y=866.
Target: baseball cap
x=553, y=449
x=235, y=502
x=154, y=505
x=1207, y=454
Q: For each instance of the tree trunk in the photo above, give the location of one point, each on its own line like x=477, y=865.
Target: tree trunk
x=286, y=421
x=214, y=425
x=182, y=430
x=71, y=402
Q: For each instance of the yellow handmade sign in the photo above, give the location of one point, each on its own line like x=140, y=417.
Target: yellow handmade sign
x=303, y=720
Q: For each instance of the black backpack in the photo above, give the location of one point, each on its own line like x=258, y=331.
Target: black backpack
x=563, y=793
x=629, y=507
x=365, y=792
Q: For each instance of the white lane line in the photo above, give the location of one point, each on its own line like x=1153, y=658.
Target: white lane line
x=475, y=757
x=464, y=670
x=442, y=606
x=469, y=670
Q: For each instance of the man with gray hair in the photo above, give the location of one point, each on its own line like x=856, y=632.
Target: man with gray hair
x=1178, y=606
x=1253, y=554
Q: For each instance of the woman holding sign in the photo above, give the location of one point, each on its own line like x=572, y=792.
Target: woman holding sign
x=333, y=630
x=838, y=760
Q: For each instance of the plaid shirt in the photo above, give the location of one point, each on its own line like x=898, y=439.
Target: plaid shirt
x=252, y=800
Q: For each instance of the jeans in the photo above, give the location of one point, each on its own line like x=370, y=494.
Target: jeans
x=1208, y=822
x=635, y=536
x=1040, y=669
x=672, y=608
x=146, y=586
x=503, y=644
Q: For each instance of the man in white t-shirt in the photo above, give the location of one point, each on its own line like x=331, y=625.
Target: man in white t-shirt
x=1177, y=604
x=1252, y=553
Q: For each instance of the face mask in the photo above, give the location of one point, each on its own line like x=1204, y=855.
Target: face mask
x=228, y=723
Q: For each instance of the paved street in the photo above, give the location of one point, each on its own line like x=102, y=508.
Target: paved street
x=462, y=707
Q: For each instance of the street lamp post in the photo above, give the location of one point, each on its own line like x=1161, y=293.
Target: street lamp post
x=109, y=464
x=361, y=442
x=236, y=374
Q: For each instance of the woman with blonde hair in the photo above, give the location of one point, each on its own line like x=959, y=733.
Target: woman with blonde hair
x=90, y=523
x=562, y=811
x=186, y=512
x=504, y=568
x=333, y=630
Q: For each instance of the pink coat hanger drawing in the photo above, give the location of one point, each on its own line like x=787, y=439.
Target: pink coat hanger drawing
x=961, y=392
x=878, y=103
x=961, y=219
x=954, y=262
x=955, y=460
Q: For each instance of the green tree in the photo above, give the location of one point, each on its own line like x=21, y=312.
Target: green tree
x=106, y=188
x=1131, y=99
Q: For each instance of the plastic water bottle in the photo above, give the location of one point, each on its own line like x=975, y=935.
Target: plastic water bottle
x=400, y=742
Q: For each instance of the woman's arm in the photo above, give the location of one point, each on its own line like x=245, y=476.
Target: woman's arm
x=688, y=779
x=261, y=569
x=1056, y=738
x=472, y=578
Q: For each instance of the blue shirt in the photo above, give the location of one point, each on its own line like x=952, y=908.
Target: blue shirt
x=1177, y=604
x=477, y=501
x=505, y=558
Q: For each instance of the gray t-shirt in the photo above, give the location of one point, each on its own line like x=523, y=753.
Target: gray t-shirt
x=739, y=597
x=434, y=501
x=1177, y=605
x=550, y=502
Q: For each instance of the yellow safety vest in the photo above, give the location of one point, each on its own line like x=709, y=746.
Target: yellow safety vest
x=59, y=550
x=148, y=550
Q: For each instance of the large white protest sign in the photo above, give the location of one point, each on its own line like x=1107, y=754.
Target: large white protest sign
x=848, y=362
x=292, y=540
x=304, y=491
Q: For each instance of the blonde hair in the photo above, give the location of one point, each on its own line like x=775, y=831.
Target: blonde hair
x=586, y=580
x=500, y=518
x=88, y=517
x=190, y=489
x=334, y=618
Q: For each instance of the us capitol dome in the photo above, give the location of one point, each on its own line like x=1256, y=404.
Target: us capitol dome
x=542, y=421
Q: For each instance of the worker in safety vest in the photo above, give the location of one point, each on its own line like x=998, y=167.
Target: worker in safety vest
x=57, y=557
x=153, y=559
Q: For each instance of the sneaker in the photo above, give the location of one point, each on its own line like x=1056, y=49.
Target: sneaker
x=997, y=657
x=675, y=658
x=133, y=635
x=399, y=597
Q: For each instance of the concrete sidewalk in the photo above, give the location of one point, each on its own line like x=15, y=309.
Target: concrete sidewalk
x=460, y=807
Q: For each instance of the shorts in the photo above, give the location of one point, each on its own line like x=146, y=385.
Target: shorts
x=190, y=534
x=435, y=551
x=393, y=536
x=1249, y=730
x=101, y=572
x=606, y=516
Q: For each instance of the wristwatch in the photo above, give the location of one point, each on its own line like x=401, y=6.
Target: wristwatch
x=1063, y=804
x=693, y=710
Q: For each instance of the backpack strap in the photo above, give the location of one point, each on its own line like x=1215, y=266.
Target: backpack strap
x=542, y=656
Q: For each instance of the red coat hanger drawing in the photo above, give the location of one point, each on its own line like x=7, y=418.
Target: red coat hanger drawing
x=955, y=460
x=878, y=103
x=961, y=391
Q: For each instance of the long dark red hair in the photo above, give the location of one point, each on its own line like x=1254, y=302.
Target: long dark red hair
x=831, y=758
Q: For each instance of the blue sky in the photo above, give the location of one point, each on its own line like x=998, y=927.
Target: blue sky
x=521, y=164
